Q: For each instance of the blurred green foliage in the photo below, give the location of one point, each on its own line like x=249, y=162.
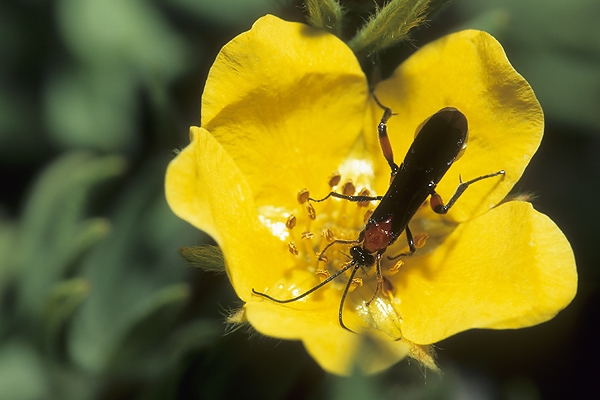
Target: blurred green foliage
x=95, y=299
x=555, y=46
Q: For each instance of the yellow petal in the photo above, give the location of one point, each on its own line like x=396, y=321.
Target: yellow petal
x=287, y=102
x=335, y=349
x=467, y=70
x=509, y=268
x=205, y=187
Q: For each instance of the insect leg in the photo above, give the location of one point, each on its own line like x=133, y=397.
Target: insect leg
x=314, y=288
x=437, y=203
x=411, y=246
x=355, y=199
x=341, y=241
x=384, y=141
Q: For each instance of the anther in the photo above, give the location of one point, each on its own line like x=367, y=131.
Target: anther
x=367, y=216
x=356, y=283
x=334, y=179
x=312, y=214
x=303, y=195
x=307, y=235
x=420, y=240
x=364, y=192
x=322, y=257
x=327, y=234
x=292, y=248
x=323, y=274
x=348, y=189
x=396, y=267
x=291, y=222
x=387, y=288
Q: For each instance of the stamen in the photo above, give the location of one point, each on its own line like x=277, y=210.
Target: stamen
x=334, y=179
x=348, y=189
x=291, y=222
x=307, y=235
x=356, y=283
x=312, y=214
x=420, y=240
x=396, y=267
x=364, y=192
x=306, y=239
x=323, y=258
x=322, y=274
x=303, y=196
x=292, y=248
x=367, y=216
x=387, y=288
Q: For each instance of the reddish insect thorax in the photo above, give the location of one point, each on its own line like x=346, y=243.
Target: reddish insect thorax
x=378, y=235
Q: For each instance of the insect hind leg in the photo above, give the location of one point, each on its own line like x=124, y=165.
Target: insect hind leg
x=384, y=141
x=355, y=199
x=437, y=204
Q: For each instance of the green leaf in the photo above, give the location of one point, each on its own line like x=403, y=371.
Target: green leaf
x=22, y=374
x=230, y=12
x=64, y=299
x=555, y=45
x=92, y=109
x=54, y=232
x=116, y=34
x=135, y=262
x=148, y=331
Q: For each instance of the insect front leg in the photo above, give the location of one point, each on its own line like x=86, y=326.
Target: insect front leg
x=384, y=141
x=355, y=199
x=437, y=204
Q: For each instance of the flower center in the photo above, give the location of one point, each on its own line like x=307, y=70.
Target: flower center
x=322, y=237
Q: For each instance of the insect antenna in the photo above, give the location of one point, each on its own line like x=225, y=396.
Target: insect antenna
x=311, y=290
x=345, y=293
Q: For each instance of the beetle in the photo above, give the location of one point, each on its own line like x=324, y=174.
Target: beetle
x=440, y=141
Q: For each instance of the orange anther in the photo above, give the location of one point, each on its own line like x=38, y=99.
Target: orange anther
x=396, y=267
x=291, y=222
x=303, y=195
x=292, y=248
x=420, y=240
x=334, y=179
x=312, y=214
x=348, y=189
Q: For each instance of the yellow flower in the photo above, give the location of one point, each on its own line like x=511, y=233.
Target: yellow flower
x=286, y=106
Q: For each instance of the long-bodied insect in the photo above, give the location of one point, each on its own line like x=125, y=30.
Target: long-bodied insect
x=440, y=141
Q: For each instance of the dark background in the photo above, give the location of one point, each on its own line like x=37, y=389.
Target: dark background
x=95, y=300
